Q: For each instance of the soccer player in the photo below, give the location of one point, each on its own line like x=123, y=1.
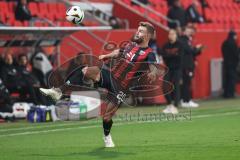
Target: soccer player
x=120, y=76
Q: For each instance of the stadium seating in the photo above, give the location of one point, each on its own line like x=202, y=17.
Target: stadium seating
x=53, y=12
x=222, y=14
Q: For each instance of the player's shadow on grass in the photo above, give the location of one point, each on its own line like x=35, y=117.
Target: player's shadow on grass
x=107, y=153
x=104, y=153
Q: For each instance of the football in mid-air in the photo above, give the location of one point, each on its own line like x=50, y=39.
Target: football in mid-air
x=75, y=15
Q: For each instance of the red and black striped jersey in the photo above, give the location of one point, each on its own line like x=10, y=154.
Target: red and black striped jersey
x=131, y=61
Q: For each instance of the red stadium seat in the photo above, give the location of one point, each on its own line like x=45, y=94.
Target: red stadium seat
x=45, y=24
x=10, y=18
x=38, y=24
x=43, y=10
x=7, y=16
x=65, y=24
x=18, y=23
x=4, y=6
x=26, y=23
x=11, y=6
x=2, y=17
x=90, y=23
x=61, y=10
x=52, y=8
x=200, y=27
x=33, y=7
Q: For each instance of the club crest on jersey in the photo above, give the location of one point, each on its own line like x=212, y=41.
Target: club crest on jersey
x=120, y=96
x=142, y=52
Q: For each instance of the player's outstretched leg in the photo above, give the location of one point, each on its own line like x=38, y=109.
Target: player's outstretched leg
x=54, y=93
x=92, y=73
x=107, y=124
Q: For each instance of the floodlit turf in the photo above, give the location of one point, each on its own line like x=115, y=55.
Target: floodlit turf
x=212, y=133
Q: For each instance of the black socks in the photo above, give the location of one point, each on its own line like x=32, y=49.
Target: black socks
x=107, y=127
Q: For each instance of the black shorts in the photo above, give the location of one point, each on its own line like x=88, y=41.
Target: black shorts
x=116, y=94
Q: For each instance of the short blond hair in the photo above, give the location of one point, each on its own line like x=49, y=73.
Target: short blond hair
x=149, y=26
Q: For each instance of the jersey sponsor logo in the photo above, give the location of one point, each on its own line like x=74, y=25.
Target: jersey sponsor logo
x=120, y=96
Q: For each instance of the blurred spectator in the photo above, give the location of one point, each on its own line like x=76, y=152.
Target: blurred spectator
x=1, y=60
x=22, y=12
x=172, y=56
x=114, y=23
x=5, y=100
x=153, y=43
x=74, y=72
x=189, y=54
x=77, y=62
x=41, y=66
x=156, y=50
x=25, y=74
x=176, y=12
x=230, y=61
x=28, y=77
x=192, y=13
x=204, y=5
x=13, y=81
x=170, y=3
x=1, y=22
x=8, y=70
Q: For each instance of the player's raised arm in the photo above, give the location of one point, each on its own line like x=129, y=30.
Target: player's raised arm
x=113, y=54
x=152, y=75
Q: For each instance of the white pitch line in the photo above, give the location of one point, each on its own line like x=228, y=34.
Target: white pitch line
x=217, y=114
x=44, y=126
x=80, y=123
x=56, y=130
x=46, y=131
x=117, y=124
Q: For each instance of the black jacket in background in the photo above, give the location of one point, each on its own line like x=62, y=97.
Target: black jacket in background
x=22, y=13
x=170, y=2
x=193, y=15
x=26, y=76
x=1, y=63
x=177, y=13
x=172, y=55
x=10, y=76
x=230, y=53
x=189, y=53
x=75, y=75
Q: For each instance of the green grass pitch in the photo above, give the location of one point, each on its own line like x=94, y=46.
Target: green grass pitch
x=212, y=133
